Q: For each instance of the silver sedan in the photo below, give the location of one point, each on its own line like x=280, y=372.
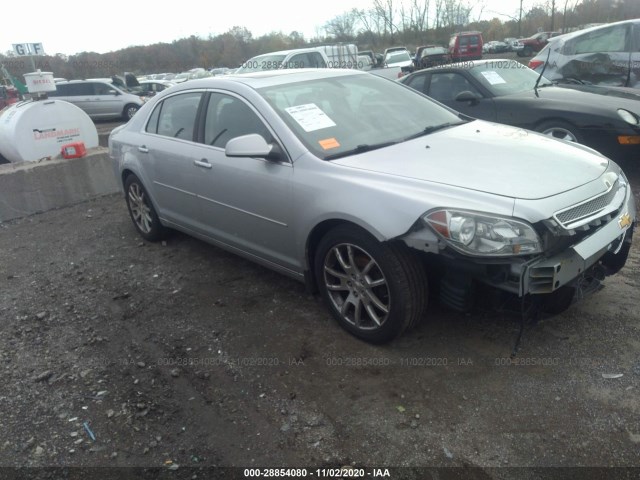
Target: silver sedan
x=373, y=194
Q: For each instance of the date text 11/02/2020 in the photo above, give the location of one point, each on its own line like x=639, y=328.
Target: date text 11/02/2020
x=344, y=472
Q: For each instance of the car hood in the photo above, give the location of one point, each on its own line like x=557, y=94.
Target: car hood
x=490, y=158
x=627, y=93
x=402, y=63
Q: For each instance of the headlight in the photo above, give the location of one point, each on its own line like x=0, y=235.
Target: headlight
x=628, y=117
x=476, y=233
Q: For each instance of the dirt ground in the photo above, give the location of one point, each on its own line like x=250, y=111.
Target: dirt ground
x=118, y=352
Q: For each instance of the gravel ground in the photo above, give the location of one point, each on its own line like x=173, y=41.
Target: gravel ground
x=118, y=352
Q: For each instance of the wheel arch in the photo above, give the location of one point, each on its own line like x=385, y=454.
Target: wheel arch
x=559, y=120
x=126, y=173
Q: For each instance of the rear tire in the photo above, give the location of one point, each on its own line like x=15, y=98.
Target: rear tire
x=141, y=210
x=374, y=290
x=129, y=111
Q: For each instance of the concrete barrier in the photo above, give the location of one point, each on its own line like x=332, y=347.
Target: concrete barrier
x=33, y=187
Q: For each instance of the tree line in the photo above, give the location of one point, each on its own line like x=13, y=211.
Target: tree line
x=386, y=23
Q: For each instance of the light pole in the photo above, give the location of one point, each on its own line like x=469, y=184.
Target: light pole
x=520, y=21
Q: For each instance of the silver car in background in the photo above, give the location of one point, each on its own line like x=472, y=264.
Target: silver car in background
x=100, y=98
x=368, y=192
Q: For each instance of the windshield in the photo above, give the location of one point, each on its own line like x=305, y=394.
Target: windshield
x=399, y=56
x=433, y=51
x=263, y=62
x=505, y=77
x=336, y=116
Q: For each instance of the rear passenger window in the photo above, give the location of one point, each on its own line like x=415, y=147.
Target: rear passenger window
x=298, y=61
x=78, y=89
x=613, y=39
x=176, y=116
x=417, y=82
x=316, y=60
x=103, y=89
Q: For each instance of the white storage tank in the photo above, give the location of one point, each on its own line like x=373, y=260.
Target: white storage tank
x=40, y=82
x=32, y=130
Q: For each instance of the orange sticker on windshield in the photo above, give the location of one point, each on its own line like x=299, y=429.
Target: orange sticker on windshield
x=329, y=143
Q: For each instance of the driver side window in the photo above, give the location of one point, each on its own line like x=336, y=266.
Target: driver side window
x=445, y=87
x=228, y=117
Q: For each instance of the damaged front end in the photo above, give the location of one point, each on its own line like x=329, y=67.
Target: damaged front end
x=554, y=262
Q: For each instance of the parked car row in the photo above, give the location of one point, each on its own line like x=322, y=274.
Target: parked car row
x=100, y=98
x=285, y=169
x=508, y=92
x=525, y=47
x=496, y=46
x=601, y=55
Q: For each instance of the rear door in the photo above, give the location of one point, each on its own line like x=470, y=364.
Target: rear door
x=81, y=94
x=169, y=155
x=108, y=100
x=474, y=47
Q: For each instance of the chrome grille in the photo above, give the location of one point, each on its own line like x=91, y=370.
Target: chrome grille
x=587, y=209
x=595, y=208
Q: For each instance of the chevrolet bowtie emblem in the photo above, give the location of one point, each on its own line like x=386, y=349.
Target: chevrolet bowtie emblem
x=624, y=221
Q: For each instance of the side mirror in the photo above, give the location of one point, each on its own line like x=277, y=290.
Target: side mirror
x=467, y=96
x=252, y=145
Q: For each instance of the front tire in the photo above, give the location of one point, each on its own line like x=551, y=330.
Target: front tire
x=374, y=290
x=141, y=210
x=560, y=130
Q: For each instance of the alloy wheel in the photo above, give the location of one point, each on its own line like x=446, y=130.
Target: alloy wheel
x=140, y=210
x=561, y=134
x=357, y=286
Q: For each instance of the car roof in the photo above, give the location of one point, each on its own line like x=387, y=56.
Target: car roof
x=81, y=80
x=577, y=33
x=465, y=65
x=286, y=52
x=165, y=82
x=272, y=77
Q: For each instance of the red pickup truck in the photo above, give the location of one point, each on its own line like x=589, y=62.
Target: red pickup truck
x=525, y=47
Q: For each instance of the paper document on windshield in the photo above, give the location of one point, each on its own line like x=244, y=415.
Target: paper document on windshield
x=493, y=78
x=310, y=117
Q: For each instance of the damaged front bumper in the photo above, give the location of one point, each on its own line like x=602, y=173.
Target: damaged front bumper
x=602, y=253
x=578, y=266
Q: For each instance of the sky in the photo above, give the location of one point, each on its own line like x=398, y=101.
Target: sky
x=74, y=26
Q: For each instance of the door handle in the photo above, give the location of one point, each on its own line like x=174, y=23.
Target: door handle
x=143, y=149
x=202, y=163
